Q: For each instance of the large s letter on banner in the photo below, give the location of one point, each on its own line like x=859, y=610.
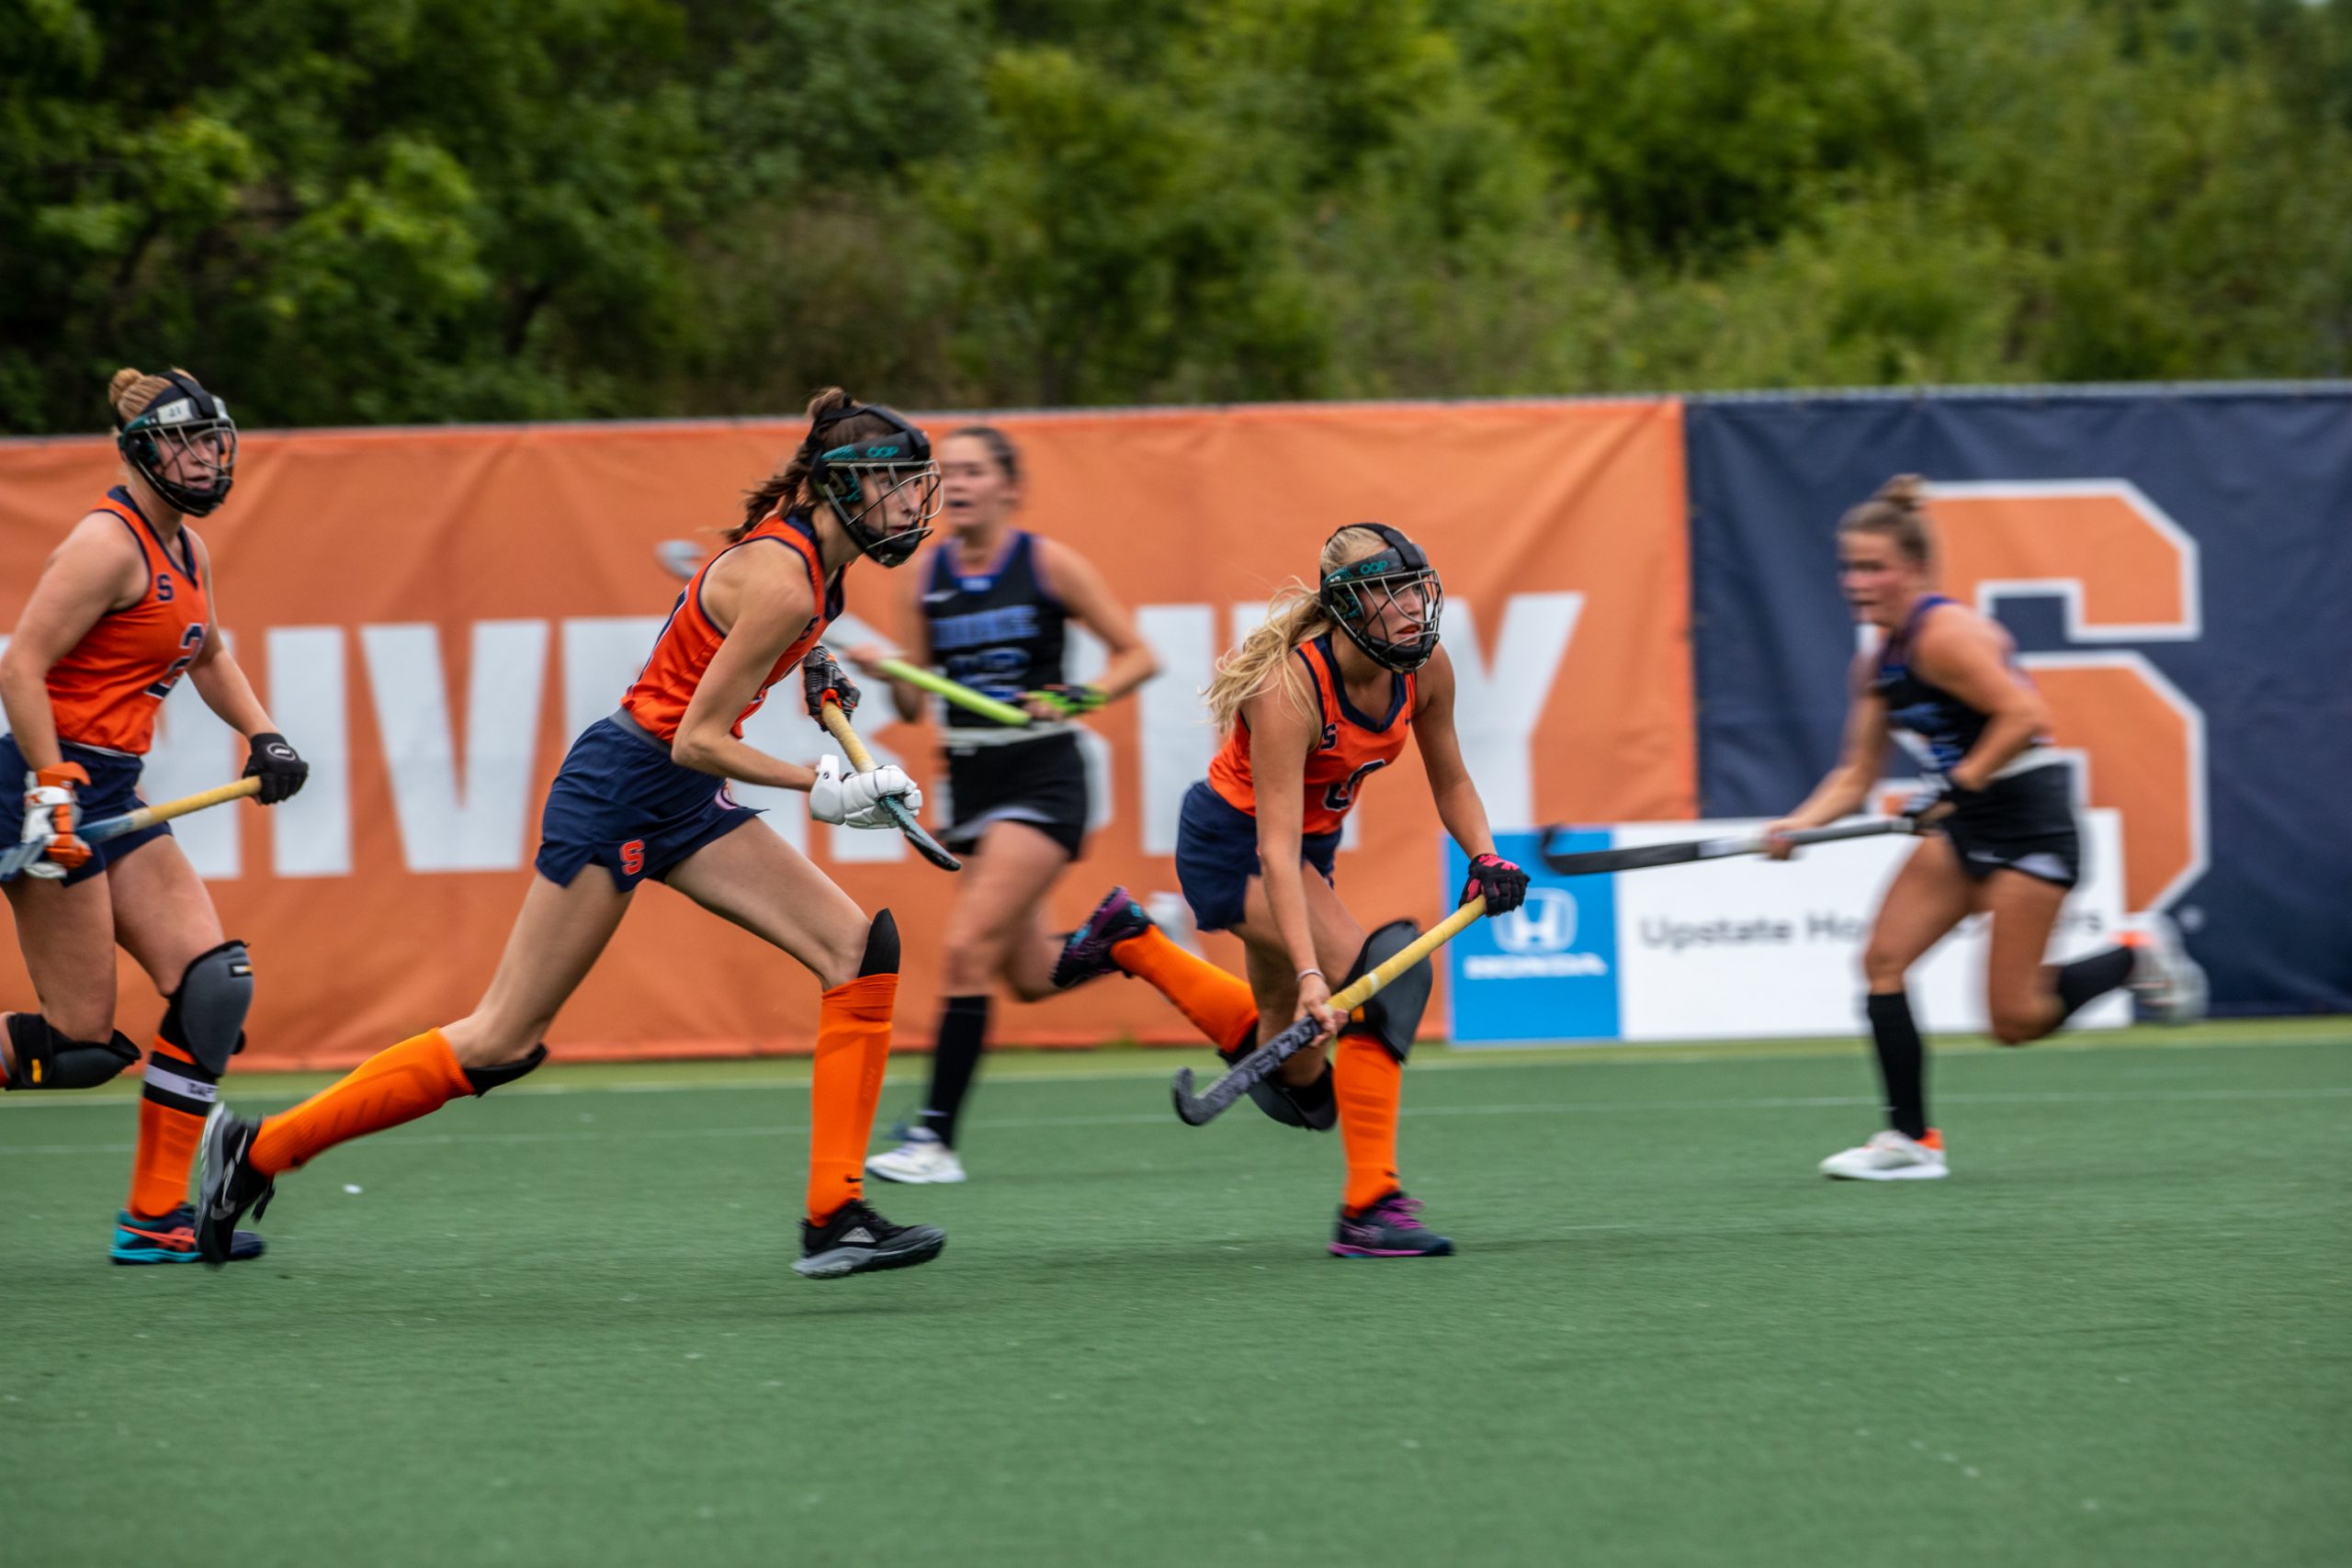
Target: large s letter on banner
x=2172, y=567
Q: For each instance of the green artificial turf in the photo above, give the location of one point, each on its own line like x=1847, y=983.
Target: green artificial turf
x=556, y=1326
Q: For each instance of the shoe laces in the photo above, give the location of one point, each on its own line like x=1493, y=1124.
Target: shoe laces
x=1397, y=1210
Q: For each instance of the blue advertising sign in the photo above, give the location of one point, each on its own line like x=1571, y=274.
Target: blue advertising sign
x=1547, y=971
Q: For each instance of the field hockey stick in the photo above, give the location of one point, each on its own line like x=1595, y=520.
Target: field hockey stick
x=956, y=691
x=18, y=856
x=931, y=849
x=1197, y=1109
x=1640, y=857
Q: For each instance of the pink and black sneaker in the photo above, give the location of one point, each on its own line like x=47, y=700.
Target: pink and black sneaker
x=1086, y=953
x=1387, y=1227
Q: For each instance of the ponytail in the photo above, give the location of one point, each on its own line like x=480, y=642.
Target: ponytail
x=1295, y=617
x=783, y=487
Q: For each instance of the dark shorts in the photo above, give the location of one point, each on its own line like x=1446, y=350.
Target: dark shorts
x=1216, y=854
x=620, y=801
x=113, y=791
x=1040, y=783
x=2023, y=823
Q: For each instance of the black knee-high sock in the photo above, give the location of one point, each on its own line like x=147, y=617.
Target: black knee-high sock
x=2086, y=979
x=1901, y=1061
x=963, y=1030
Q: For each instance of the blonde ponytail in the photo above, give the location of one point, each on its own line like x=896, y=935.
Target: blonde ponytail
x=1294, y=619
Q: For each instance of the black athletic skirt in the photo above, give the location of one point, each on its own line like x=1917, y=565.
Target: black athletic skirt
x=2023, y=823
x=1041, y=782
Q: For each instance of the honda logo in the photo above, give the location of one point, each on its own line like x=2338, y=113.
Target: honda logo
x=1546, y=923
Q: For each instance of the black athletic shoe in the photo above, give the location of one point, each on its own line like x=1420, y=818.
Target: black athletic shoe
x=856, y=1240
x=1086, y=955
x=1313, y=1106
x=1387, y=1227
x=226, y=1185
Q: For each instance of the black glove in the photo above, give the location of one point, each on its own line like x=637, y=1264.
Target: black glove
x=1504, y=884
x=822, y=677
x=279, y=767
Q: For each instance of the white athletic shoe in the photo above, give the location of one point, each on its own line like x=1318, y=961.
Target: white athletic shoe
x=2168, y=985
x=922, y=1160
x=1891, y=1156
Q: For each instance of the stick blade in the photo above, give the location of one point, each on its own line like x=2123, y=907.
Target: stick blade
x=1191, y=1109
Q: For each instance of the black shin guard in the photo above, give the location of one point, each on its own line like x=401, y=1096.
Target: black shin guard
x=481, y=1080
x=881, y=947
x=963, y=1033
x=2085, y=980
x=1901, y=1062
x=46, y=1059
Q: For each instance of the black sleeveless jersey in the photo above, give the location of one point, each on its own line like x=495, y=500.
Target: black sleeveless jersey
x=1001, y=633
x=1941, y=727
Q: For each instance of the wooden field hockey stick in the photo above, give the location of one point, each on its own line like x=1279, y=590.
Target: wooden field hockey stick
x=956, y=691
x=1197, y=1109
x=931, y=849
x=1640, y=857
x=18, y=856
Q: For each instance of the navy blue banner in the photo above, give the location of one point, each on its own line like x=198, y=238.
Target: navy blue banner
x=2176, y=570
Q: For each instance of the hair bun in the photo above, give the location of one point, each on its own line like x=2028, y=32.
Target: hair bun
x=121, y=382
x=1906, y=491
x=832, y=400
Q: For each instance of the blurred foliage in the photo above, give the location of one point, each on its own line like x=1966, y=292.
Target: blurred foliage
x=444, y=209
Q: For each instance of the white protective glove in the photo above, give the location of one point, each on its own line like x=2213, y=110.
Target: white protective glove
x=51, y=813
x=855, y=800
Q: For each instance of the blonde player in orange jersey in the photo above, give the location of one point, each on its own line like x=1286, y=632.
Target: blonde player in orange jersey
x=643, y=794
x=123, y=609
x=1315, y=701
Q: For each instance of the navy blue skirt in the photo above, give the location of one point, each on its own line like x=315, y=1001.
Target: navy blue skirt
x=620, y=801
x=1216, y=854
x=113, y=791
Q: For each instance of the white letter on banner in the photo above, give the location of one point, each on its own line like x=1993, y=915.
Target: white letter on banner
x=1497, y=705
x=311, y=834
x=1173, y=735
x=445, y=826
x=194, y=751
x=602, y=655
x=1087, y=656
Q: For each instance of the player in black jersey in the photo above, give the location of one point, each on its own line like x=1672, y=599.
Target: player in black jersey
x=991, y=603
x=1999, y=812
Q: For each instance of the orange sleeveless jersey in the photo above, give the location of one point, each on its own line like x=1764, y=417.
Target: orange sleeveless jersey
x=1353, y=746
x=105, y=692
x=683, y=652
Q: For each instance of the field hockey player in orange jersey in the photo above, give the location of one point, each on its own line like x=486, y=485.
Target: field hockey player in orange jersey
x=124, y=608
x=2000, y=806
x=989, y=606
x=642, y=795
x=1313, y=702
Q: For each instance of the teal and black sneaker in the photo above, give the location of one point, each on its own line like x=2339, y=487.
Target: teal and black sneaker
x=1086, y=952
x=170, y=1239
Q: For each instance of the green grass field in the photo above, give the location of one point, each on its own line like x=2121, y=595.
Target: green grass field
x=556, y=1326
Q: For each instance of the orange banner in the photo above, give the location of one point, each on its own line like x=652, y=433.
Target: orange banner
x=431, y=614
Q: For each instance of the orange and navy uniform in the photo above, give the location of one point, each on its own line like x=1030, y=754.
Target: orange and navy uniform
x=105, y=691
x=1352, y=746
x=658, y=700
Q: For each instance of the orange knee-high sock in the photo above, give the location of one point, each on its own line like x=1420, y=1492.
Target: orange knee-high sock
x=173, y=1104
x=1219, y=1005
x=852, y=1047
x=1369, y=1083
x=416, y=1076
